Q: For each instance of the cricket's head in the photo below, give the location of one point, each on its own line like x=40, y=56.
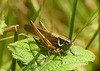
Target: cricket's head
x=67, y=44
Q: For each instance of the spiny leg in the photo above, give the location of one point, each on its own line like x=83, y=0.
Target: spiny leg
x=48, y=54
x=57, y=52
x=60, y=56
x=48, y=47
x=43, y=50
x=71, y=50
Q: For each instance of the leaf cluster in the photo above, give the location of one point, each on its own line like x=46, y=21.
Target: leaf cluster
x=30, y=57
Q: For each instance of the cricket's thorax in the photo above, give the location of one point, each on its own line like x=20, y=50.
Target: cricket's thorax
x=61, y=42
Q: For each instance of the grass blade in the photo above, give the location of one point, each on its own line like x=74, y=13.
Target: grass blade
x=95, y=34
x=88, y=22
x=99, y=33
x=51, y=18
x=14, y=60
x=72, y=19
x=37, y=13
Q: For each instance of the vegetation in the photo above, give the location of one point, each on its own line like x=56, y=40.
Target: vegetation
x=77, y=20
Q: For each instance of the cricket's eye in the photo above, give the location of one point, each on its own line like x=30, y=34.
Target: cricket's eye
x=67, y=42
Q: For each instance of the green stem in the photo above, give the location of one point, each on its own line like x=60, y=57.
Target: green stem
x=37, y=13
x=51, y=19
x=42, y=9
x=14, y=60
x=72, y=20
x=92, y=39
x=99, y=32
x=13, y=65
x=2, y=49
x=88, y=22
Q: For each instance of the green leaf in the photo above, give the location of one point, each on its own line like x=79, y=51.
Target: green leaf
x=2, y=25
x=31, y=58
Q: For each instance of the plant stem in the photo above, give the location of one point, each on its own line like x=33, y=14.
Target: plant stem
x=2, y=49
x=42, y=9
x=99, y=32
x=37, y=13
x=92, y=39
x=13, y=65
x=72, y=20
x=51, y=18
x=14, y=60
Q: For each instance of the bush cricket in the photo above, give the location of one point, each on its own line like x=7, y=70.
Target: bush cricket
x=51, y=40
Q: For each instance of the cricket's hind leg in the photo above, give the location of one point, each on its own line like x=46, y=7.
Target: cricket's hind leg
x=42, y=26
x=38, y=42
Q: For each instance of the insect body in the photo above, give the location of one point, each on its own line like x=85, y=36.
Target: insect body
x=51, y=40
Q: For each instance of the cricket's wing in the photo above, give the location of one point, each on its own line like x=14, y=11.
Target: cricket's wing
x=29, y=29
x=50, y=36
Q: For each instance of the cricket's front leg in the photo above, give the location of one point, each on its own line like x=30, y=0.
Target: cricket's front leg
x=60, y=56
x=71, y=50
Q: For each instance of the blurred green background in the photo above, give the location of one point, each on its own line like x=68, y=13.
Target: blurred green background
x=56, y=16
